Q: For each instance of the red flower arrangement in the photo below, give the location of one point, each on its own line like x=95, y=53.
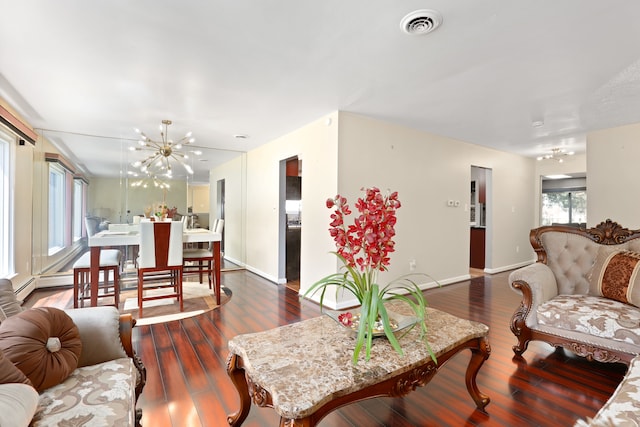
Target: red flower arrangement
x=368, y=242
x=364, y=248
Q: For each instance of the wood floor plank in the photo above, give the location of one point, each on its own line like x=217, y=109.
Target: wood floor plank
x=187, y=382
x=154, y=388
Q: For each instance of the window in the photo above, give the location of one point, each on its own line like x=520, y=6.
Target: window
x=7, y=147
x=66, y=205
x=56, y=208
x=78, y=207
x=564, y=201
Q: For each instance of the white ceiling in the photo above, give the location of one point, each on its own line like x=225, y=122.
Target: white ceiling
x=93, y=71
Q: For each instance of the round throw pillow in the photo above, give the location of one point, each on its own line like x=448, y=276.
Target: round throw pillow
x=43, y=343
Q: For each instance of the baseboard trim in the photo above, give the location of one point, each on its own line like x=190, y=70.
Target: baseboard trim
x=25, y=289
x=508, y=267
x=55, y=280
x=263, y=274
x=235, y=261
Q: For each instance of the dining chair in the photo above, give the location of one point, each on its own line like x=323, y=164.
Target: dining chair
x=109, y=262
x=92, y=224
x=160, y=261
x=200, y=260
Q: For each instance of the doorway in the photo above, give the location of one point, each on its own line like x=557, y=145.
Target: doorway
x=220, y=190
x=293, y=221
x=479, y=220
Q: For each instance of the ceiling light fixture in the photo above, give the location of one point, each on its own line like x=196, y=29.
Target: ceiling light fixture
x=556, y=154
x=147, y=180
x=152, y=180
x=158, y=163
x=559, y=176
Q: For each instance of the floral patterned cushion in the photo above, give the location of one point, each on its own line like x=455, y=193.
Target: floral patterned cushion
x=97, y=395
x=597, y=316
x=623, y=408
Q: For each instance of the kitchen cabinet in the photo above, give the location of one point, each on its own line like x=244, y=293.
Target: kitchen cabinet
x=294, y=188
x=477, y=247
x=293, y=253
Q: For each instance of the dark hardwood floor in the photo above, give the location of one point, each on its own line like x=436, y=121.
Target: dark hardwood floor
x=187, y=383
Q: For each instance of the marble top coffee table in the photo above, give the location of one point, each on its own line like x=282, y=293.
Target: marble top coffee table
x=304, y=370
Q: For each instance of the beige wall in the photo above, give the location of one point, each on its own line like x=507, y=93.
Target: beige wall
x=258, y=199
x=316, y=145
x=612, y=158
x=427, y=171
x=198, y=198
x=234, y=176
x=352, y=151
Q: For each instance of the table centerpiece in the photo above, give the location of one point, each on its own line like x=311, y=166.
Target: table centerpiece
x=363, y=248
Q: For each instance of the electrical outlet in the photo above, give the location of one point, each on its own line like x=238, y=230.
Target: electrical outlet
x=412, y=264
x=517, y=249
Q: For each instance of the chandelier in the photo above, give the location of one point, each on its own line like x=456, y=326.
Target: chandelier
x=556, y=154
x=148, y=180
x=163, y=152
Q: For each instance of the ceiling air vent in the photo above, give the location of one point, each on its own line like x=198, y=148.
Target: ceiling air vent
x=421, y=22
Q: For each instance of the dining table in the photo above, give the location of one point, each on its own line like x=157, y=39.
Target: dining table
x=129, y=235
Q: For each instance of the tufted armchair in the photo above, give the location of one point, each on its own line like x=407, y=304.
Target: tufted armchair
x=581, y=293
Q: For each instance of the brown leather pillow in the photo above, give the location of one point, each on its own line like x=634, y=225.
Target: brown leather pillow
x=43, y=343
x=9, y=373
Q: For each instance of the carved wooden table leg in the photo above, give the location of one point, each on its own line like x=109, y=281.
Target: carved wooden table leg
x=304, y=422
x=478, y=355
x=236, y=373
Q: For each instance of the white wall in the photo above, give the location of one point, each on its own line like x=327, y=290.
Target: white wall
x=316, y=146
x=349, y=151
x=612, y=157
x=252, y=203
x=428, y=170
x=234, y=176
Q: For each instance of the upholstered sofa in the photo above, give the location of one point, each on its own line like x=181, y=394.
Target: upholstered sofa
x=583, y=294
x=67, y=367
